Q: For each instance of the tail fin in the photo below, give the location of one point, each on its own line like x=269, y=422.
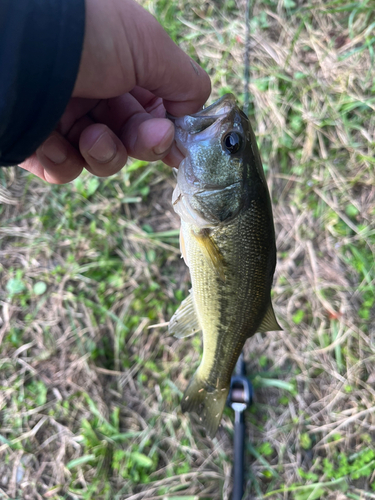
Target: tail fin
x=206, y=402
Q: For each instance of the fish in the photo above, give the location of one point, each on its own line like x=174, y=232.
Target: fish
x=227, y=240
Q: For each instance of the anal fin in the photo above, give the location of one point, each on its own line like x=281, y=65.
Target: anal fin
x=184, y=322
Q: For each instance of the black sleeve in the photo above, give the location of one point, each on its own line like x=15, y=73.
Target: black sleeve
x=40, y=50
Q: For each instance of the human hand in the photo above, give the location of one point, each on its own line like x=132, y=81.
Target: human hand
x=130, y=74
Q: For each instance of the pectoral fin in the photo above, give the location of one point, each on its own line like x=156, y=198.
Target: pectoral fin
x=184, y=322
x=183, y=247
x=269, y=322
x=211, y=253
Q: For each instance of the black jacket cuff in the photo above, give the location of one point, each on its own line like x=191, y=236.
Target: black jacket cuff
x=40, y=50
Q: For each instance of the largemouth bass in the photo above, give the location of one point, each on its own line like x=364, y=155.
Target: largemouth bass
x=228, y=242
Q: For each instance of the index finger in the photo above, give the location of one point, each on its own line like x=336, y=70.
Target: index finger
x=164, y=69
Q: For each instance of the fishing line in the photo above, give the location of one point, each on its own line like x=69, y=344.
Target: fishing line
x=239, y=382
x=247, y=59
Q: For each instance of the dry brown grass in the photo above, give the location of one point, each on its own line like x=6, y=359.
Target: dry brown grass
x=75, y=355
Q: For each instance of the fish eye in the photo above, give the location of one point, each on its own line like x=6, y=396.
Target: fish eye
x=232, y=142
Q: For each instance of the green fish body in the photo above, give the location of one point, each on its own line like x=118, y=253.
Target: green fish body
x=228, y=242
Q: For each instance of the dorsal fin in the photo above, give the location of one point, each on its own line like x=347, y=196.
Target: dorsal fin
x=184, y=322
x=269, y=321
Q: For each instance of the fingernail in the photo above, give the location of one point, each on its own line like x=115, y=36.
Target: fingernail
x=176, y=155
x=165, y=142
x=104, y=149
x=55, y=150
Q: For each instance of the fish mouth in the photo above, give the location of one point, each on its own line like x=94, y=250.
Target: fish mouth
x=204, y=125
x=202, y=120
x=220, y=107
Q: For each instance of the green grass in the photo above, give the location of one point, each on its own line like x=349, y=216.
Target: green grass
x=89, y=400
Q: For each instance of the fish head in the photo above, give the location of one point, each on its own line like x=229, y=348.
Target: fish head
x=211, y=180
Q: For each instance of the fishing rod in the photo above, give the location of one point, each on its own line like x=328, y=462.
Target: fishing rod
x=241, y=391
x=240, y=397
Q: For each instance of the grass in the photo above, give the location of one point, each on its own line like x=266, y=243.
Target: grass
x=89, y=400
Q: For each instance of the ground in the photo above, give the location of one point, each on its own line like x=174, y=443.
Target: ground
x=89, y=401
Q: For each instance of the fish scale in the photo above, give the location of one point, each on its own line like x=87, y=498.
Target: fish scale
x=221, y=314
